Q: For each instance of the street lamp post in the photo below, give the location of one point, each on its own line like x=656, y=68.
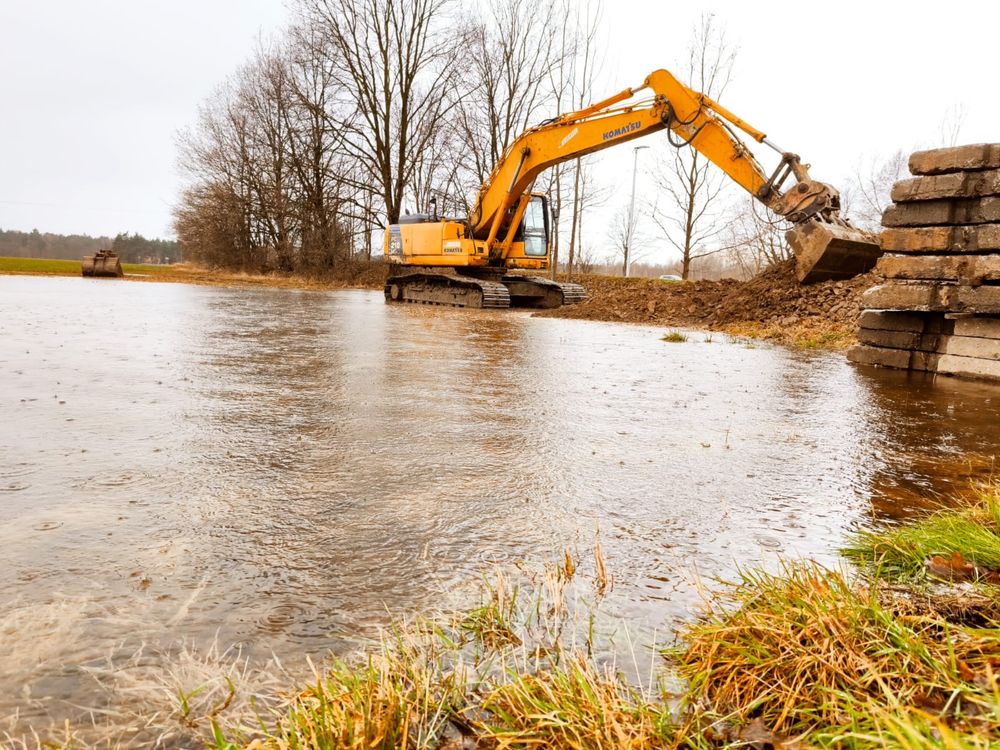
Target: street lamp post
x=631, y=210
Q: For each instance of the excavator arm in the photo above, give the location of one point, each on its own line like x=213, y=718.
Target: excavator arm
x=826, y=242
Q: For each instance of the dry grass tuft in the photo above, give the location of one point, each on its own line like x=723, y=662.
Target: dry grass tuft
x=577, y=705
x=401, y=697
x=807, y=650
x=514, y=671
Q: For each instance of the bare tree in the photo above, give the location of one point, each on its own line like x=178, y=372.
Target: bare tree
x=326, y=195
x=588, y=194
x=952, y=122
x=628, y=242
x=217, y=219
x=867, y=197
x=691, y=219
x=364, y=108
x=394, y=63
x=586, y=259
x=587, y=65
x=561, y=84
x=509, y=61
x=755, y=237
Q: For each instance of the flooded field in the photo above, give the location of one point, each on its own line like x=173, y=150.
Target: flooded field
x=283, y=470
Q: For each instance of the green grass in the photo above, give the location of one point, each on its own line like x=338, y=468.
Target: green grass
x=674, y=337
x=55, y=267
x=825, y=340
x=902, y=553
x=516, y=671
x=40, y=266
x=806, y=656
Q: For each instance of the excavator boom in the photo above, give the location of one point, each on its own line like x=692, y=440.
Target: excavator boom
x=694, y=120
x=465, y=262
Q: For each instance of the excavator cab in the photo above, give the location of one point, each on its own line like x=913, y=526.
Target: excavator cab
x=530, y=248
x=436, y=261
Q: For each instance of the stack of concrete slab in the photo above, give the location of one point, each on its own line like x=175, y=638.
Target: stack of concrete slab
x=939, y=308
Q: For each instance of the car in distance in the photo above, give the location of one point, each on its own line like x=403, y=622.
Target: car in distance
x=670, y=277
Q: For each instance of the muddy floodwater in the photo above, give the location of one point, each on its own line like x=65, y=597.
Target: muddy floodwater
x=284, y=470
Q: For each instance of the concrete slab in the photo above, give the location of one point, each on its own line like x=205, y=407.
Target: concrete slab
x=972, y=270
x=871, y=355
x=899, y=359
x=955, y=159
x=954, y=185
x=969, y=367
x=931, y=297
x=896, y=295
x=970, y=346
x=914, y=322
x=980, y=299
x=908, y=340
x=949, y=212
x=978, y=327
x=973, y=238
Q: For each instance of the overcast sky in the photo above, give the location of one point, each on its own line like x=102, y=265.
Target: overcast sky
x=92, y=93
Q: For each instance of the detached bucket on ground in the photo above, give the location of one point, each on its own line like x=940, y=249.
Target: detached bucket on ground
x=825, y=251
x=102, y=263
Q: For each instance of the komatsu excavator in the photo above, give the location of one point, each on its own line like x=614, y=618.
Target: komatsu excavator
x=469, y=262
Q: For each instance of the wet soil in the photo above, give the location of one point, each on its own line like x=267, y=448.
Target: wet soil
x=772, y=305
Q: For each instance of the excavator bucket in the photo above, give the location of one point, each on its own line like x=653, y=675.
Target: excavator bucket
x=825, y=251
x=102, y=263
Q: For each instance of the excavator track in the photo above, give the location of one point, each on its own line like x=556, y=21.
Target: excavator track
x=446, y=289
x=540, y=292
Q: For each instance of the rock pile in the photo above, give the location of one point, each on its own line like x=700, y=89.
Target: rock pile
x=939, y=308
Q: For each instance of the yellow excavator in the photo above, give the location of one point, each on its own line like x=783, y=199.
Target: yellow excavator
x=471, y=262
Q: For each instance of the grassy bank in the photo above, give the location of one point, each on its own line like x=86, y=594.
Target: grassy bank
x=900, y=650
x=359, y=275
x=904, y=653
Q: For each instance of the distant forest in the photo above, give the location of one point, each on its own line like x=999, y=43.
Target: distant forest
x=132, y=248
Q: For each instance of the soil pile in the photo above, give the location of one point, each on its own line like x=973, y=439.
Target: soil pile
x=770, y=305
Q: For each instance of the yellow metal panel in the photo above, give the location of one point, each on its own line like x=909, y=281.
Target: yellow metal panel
x=422, y=239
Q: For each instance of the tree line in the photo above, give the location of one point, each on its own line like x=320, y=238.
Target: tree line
x=366, y=109
x=133, y=248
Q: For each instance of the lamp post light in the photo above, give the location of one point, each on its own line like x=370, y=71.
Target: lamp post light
x=631, y=210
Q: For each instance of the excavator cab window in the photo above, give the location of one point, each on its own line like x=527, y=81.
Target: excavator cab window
x=535, y=228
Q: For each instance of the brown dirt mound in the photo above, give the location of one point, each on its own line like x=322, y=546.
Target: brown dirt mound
x=770, y=305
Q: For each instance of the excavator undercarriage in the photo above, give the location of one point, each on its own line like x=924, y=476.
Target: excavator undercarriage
x=482, y=290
